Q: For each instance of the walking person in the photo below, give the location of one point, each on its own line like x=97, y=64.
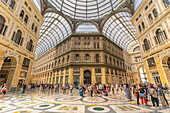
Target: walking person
x=161, y=96
x=154, y=95
x=112, y=87
x=81, y=90
x=117, y=88
x=91, y=90
x=128, y=92
x=71, y=88
x=24, y=87
x=95, y=90
x=142, y=93
x=136, y=93
x=3, y=92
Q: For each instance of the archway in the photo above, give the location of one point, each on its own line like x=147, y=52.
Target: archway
x=87, y=77
x=166, y=67
x=7, y=70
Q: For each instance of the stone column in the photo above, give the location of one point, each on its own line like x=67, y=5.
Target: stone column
x=59, y=77
x=16, y=75
x=81, y=76
x=114, y=76
x=103, y=76
x=64, y=77
x=161, y=71
x=2, y=54
x=147, y=72
x=110, y=76
x=55, y=78
x=29, y=76
x=70, y=75
x=93, y=75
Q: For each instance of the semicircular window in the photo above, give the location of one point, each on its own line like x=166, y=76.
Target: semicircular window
x=87, y=28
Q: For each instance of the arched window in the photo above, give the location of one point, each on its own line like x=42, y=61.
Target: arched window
x=117, y=63
x=32, y=26
x=30, y=45
x=22, y=14
x=77, y=58
x=63, y=60
x=59, y=62
x=6, y=1
x=155, y=13
x=12, y=4
x=143, y=25
x=68, y=58
x=166, y=3
x=105, y=59
x=140, y=29
x=150, y=17
x=2, y=23
x=18, y=37
x=110, y=60
x=146, y=45
x=36, y=29
x=26, y=19
x=97, y=58
x=160, y=36
x=55, y=63
x=87, y=57
x=114, y=61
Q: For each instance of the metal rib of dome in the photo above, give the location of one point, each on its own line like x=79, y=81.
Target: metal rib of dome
x=54, y=30
x=86, y=9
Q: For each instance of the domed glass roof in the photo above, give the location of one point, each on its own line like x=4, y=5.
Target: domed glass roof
x=86, y=9
x=109, y=17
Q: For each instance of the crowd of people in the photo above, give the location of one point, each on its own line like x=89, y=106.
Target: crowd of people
x=144, y=92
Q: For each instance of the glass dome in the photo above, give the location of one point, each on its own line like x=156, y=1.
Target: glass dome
x=86, y=9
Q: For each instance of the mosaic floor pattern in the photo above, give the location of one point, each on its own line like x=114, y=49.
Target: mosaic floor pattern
x=45, y=102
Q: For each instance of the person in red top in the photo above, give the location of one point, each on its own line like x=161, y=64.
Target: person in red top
x=3, y=91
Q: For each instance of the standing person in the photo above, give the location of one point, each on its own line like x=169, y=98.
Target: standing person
x=55, y=88
x=100, y=88
x=121, y=88
x=3, y=91
x=81, y=90
x=108, y=88
x=84, y=89
x=24, y=87
x=117, y=88
x=112, y=87
x=95, y=90
x=64, y=88
x=71, y=88
x=128, y=92
x=142, y=93
x=136, y=93
x=161, y=97
x=154, y=95
x=91, y=90
x=29, y=88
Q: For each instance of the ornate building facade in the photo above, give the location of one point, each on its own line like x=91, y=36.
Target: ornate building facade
x=152, y=23
x=84, y=59
x=20, y=23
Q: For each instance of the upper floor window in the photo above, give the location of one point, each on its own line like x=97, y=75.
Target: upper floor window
x=155, y=13
x=77, y=58
x=143, y=25
x=30, y=45
x=17, y=38
x=160, y=36
x=97, y=58
x=22, y=14
x=63, y=60
x=87, y=57
x=2, y=23
x=150, y=2
x=12, y=4
x=88, y=44
x=146, y=44
x=140, y=29
x=32, y=26
x=68, y=58
x=166, y=3
x=105, y=59
x=26, y=63
x=150, y=17
x=35, y=29
x=26, y=19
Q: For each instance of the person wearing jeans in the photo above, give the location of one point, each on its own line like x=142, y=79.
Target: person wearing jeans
x=142, y=92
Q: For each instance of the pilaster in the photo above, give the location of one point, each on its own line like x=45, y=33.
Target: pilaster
x=103, y=76
x=147, y=72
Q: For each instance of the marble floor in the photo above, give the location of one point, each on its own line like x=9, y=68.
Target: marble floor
x=51, y=102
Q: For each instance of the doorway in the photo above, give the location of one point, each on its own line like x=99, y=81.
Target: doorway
x=87, y=77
